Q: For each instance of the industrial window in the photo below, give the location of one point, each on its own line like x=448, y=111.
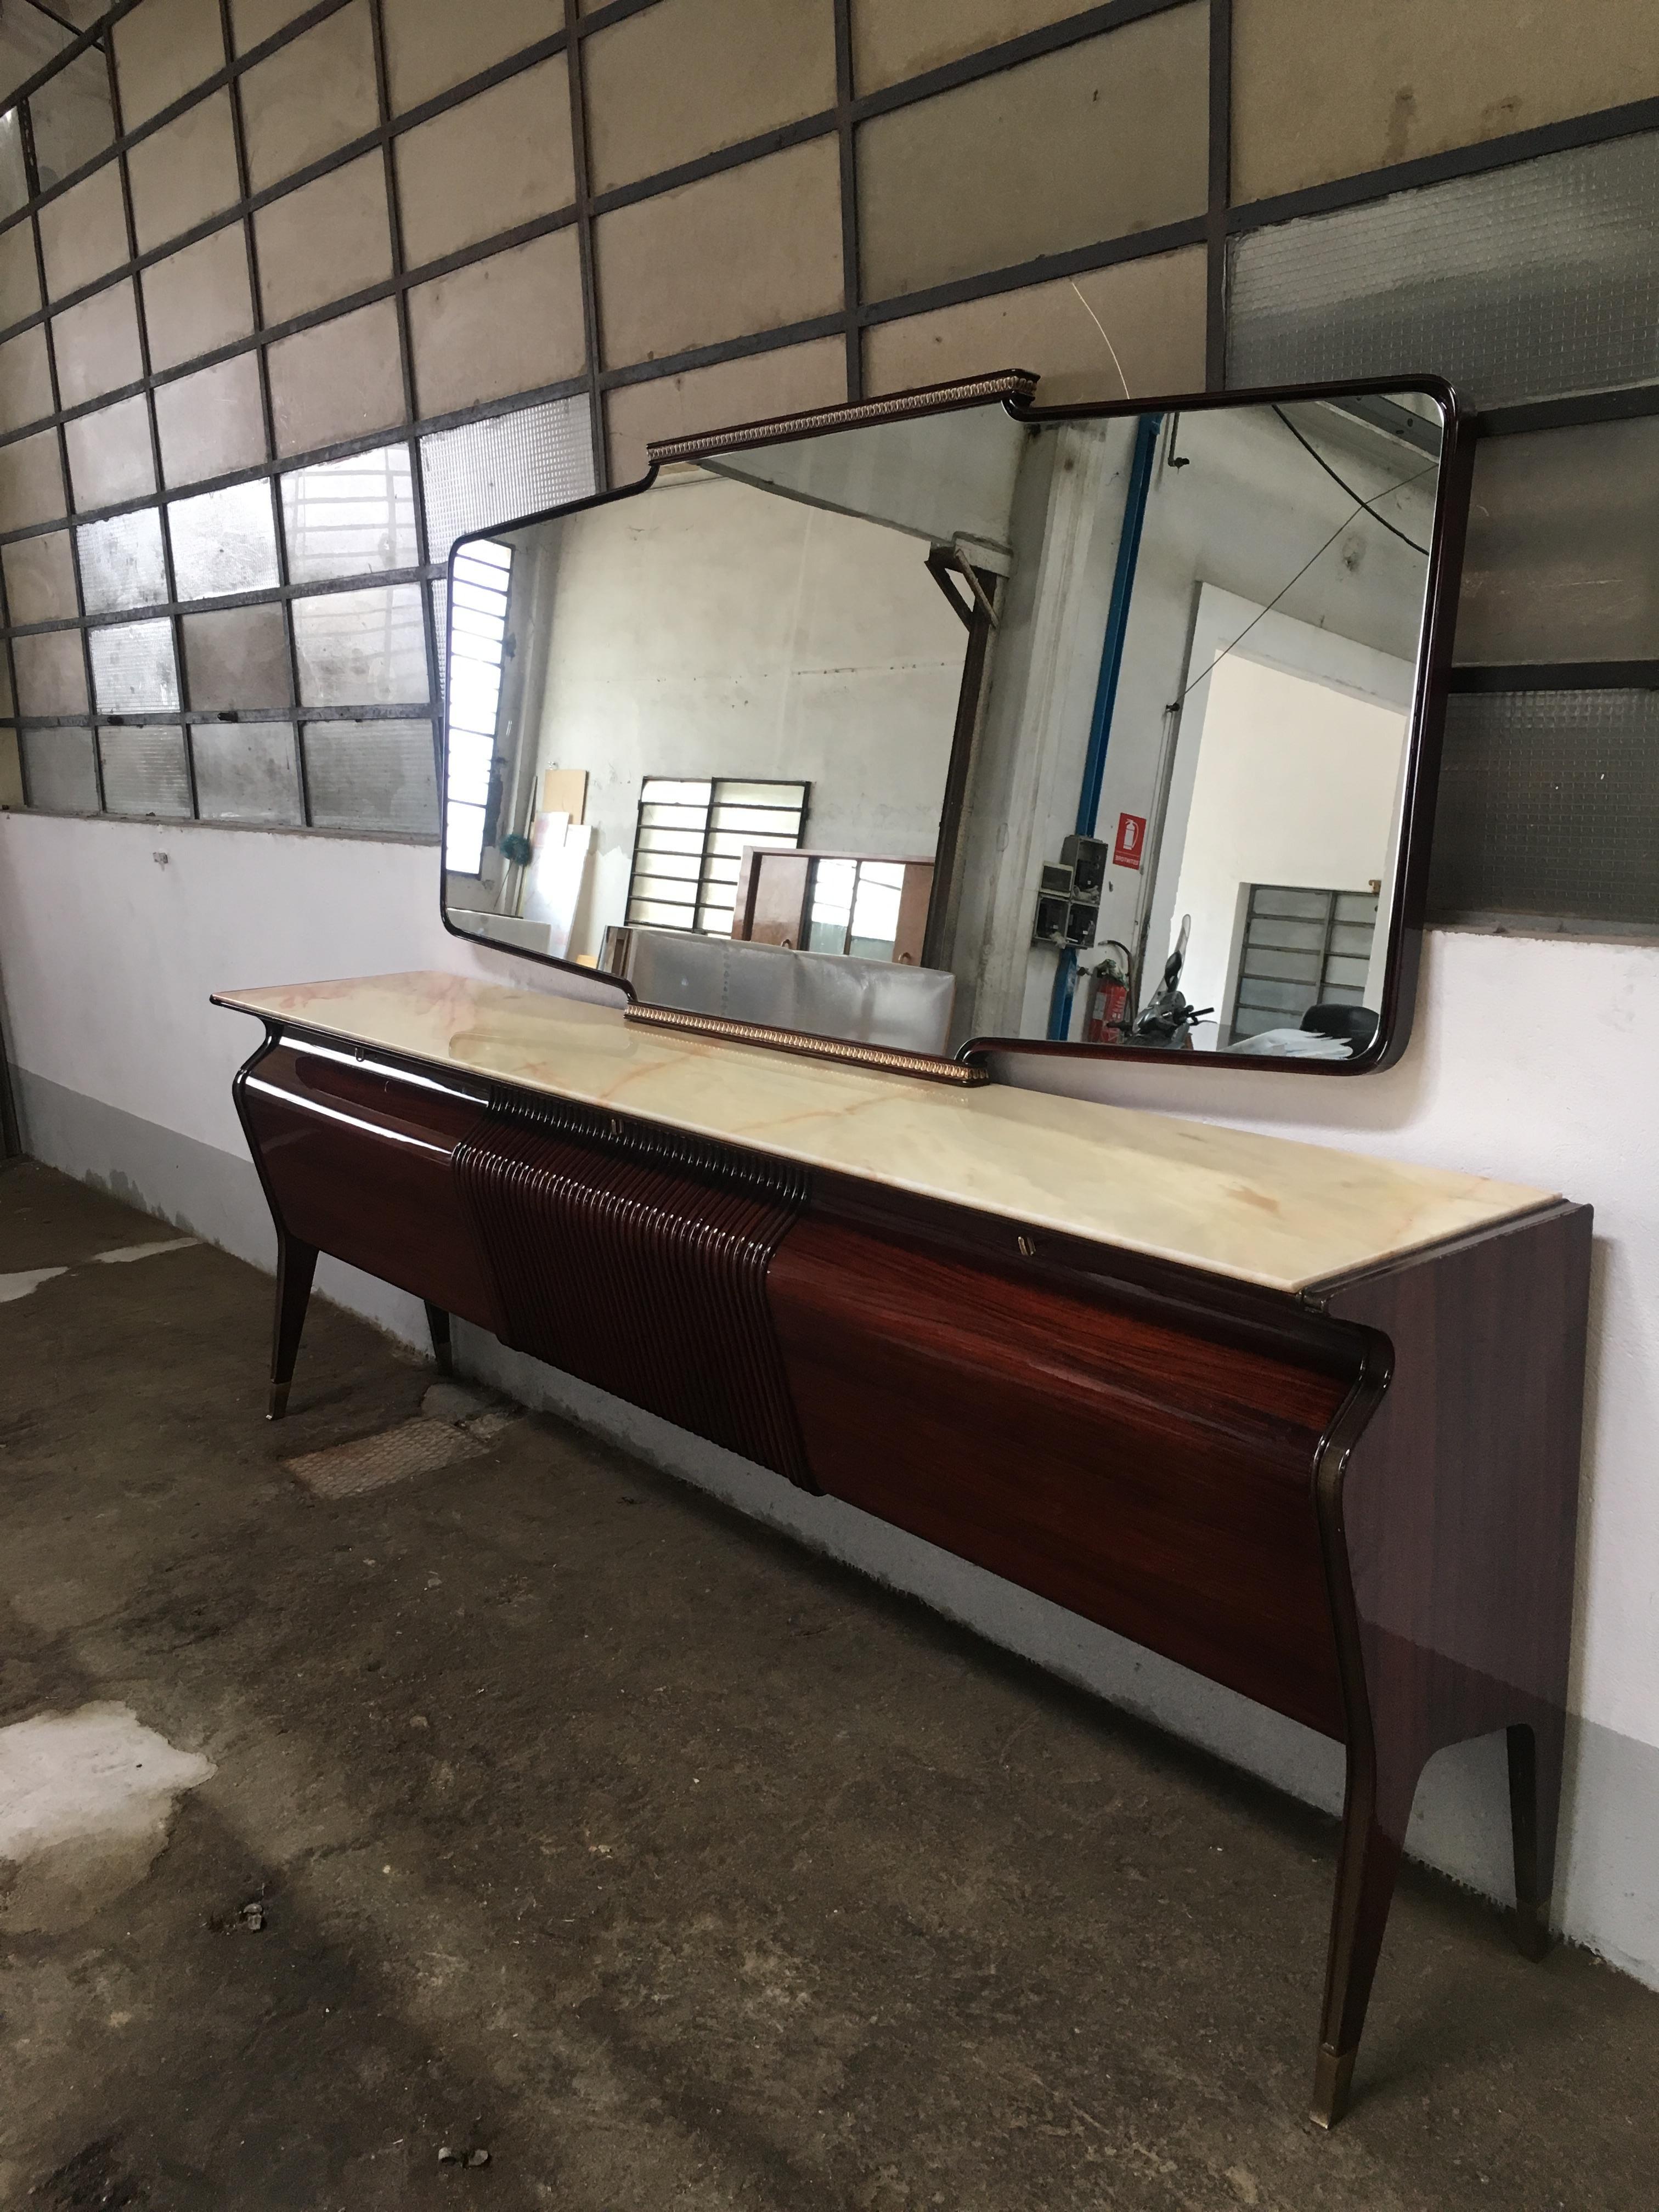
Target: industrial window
x=1300, y=949
x=688, y=847
x=479, y=590
x=853, y=907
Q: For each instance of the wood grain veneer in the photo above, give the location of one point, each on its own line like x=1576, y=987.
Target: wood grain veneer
x=637, y=1261
x=1354, y=1501
x=1143, y=1474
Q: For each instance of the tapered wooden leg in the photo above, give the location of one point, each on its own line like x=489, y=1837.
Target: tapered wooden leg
x=297, y=1264
x=1374, y=1819
x=437, y=1322
x=1535, y=1749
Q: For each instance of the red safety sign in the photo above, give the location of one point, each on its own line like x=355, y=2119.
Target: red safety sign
x=1131, y=836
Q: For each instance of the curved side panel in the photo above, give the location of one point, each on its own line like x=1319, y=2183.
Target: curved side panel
x=357, y=1160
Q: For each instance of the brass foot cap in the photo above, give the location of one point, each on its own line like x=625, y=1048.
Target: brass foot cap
x=1333, y=2079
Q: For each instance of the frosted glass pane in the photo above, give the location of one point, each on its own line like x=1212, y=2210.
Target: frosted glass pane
x=1525, y=283
x=223, y=542
x=1563, y=556
x=246, y=772
x=500, y=470
x=372, y=776
x=238, y=658
x=59, y=764
x=349, y=518
x=14, y=179
x=361, y=648
x=133, y=668
x=72, y=117
x=144, y=771
x=1549, y=805
x=121, y=563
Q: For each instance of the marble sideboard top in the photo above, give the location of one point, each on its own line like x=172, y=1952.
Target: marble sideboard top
x=1261, y=1209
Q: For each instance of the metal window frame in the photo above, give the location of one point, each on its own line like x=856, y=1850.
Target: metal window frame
x=1331, y=894
x=1221, y=221
x=699, y=898
x=475, y=874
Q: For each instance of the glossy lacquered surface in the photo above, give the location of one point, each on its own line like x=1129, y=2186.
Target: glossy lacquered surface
x=1136, y=1472
x=361, y=1165
x=1356, y=1505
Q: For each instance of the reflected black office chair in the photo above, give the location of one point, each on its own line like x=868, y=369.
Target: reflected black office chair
x=1357, y=1024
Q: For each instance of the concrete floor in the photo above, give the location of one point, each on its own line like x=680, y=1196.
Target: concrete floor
x=593, y=1827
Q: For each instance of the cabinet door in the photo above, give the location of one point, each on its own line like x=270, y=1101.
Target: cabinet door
x=1155, y=1480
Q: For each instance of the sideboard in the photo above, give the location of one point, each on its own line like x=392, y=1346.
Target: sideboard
x=1304, y=1421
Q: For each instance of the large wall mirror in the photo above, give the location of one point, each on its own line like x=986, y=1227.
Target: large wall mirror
x=950, y=722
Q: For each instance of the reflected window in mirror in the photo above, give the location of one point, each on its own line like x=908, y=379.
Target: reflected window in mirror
x=479, y=590
x=692, y=842
x=1086, y=727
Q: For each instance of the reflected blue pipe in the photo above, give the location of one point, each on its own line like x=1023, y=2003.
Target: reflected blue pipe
x=1112, y=667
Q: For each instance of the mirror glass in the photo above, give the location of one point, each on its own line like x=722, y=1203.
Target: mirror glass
x=1095, y=728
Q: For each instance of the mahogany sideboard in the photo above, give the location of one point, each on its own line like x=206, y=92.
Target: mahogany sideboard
x=1306, y=1422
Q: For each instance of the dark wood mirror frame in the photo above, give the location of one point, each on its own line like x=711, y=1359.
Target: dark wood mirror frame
x=1015, y=390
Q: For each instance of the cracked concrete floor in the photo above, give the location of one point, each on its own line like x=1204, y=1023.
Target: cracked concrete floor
x=593, y=1827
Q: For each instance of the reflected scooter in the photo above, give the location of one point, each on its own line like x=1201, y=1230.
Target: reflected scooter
x=1169, y=1020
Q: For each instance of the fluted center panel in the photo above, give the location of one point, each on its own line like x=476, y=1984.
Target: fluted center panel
x=636, y=1258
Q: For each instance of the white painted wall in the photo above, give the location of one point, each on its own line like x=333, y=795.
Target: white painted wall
x=113, y=934
x=1534, y=1060
x=1284, y=772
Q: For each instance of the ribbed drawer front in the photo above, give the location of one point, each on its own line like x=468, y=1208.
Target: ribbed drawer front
x=636, y=1258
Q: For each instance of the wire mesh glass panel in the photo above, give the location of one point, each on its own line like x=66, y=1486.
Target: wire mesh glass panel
x=1563, y=556
x=361, y=648
x=372, y=776
x=484, y=574
x=224, y=541
x=59, y=767
x=440, y=628
x=509, y=466
x=1549, y=805
x=246, y=772
x=121, y=563
x=144, y=770
x=1527, y=282
x=349, y=518
x=133, y=668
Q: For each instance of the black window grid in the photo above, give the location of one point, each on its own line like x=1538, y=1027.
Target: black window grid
x=1301, y=947
x=1222, y=220
x=687, y=845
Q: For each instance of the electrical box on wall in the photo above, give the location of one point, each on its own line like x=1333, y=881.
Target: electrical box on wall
x=1068, y=894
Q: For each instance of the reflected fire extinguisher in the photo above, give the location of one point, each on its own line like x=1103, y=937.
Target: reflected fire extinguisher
x=1109, y=1013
